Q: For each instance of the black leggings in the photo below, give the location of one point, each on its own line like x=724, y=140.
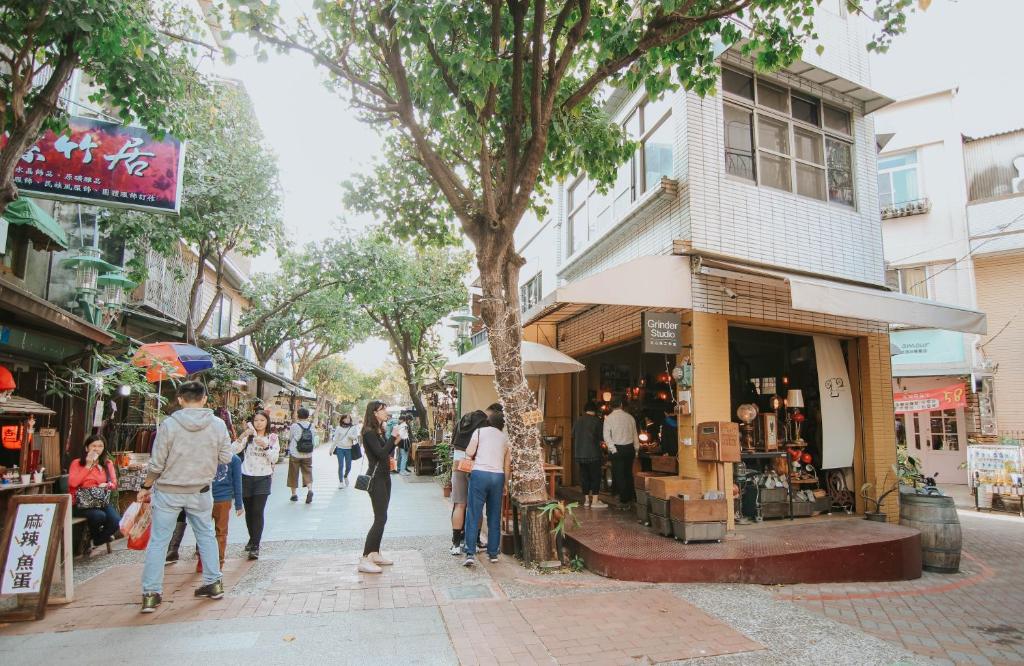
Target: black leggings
x=254, y=505
x=590, y=477
x=380, y=497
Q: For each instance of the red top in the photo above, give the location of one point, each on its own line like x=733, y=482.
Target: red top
x=81, y=476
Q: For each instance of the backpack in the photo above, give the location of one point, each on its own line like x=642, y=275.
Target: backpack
x=467, y=425
x=304, y=444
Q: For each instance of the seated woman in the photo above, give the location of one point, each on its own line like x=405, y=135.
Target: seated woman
x=91, y=480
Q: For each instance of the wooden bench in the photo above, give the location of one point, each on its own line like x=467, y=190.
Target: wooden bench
x=423, y=458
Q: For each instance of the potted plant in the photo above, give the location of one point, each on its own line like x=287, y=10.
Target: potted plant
x=443, y=460
x=878, y=497
x=559, y=513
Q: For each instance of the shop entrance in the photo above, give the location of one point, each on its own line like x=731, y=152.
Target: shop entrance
x=781, y=473
x=936, y=439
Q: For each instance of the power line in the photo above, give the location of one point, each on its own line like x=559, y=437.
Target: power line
x=1005, y=326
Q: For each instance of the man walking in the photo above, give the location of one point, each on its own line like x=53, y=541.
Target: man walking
x=188, y=447
x=302, y=441
x=623, y=441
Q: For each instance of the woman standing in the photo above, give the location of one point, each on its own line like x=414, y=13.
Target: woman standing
x=261, y=451
x=586, y=445
x=377, y=450
x=488, y=447
x=94, y=474
x=342, y=439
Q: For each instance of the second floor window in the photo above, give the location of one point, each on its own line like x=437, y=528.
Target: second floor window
x=897, y=179
x=787, y=140
x=530, y=293
x=220, y=320
x=591, y=213
x=912, y=280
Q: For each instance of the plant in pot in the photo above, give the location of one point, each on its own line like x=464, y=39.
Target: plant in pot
x=876, y=498
x=443, y=460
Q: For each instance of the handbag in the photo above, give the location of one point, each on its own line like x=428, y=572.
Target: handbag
x=464, y=465
x=95, y=497
x=363, y=481
x=357, y=451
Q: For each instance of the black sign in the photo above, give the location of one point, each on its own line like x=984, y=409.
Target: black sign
x=661, y=332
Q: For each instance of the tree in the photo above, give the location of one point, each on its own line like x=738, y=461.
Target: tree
x=494, y=99
x=230, y=203
x=405, y=292
x=336, y=379
x=136, y=52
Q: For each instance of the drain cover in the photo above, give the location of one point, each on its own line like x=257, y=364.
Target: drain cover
x=470, y=592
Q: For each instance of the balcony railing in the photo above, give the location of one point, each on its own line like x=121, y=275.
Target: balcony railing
x=906, y=208
x=477, y=339
x=166, y=288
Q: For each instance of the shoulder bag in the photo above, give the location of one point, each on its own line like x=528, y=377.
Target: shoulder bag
x=95, y=497
x=466, y=464
x=364, y=481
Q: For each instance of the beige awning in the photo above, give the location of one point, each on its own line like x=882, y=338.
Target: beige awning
x=661, y=281
x=858, y=301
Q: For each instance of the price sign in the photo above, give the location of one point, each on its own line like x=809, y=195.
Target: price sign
x=533, y=417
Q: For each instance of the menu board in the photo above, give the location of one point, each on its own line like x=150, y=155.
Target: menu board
x=994, y=463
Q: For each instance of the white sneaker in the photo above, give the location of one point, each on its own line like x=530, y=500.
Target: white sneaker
x=345, y=482
x=366, y=565
x=470, y=561
x=341, y=486
x=379, y=560
x=456, y=550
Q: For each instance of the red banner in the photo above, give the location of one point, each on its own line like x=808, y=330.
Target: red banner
x=947, y=397
x=104, y=164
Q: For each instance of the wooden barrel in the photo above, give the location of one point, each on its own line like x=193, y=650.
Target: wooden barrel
x=941, y=539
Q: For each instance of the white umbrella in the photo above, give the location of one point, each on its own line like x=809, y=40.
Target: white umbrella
x=537, y=360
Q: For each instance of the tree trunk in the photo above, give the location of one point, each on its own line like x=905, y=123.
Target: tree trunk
x=194, y=297
x=499, y=277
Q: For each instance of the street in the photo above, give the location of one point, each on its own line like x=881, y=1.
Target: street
x=303, y=601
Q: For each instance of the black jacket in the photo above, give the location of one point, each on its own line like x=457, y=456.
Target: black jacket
x=586, y=438
x=377, y=453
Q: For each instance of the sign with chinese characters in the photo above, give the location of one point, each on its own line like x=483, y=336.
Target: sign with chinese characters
x=947, y=397
x=32, y=535
x=661, y=332
x=104, y=164
x=928, y=347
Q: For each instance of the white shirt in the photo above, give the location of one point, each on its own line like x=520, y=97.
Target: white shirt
x=487, y=447
x=343, y=437
x=619, y=430
x=403, y=430
x=260, y=454
x=293, y=438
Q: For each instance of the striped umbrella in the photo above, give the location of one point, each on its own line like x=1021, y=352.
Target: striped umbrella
x=164, y=360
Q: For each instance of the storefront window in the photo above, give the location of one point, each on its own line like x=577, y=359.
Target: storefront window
x=945, y=435
x=917, y=431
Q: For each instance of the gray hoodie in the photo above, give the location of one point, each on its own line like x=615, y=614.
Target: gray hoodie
x=189, y=445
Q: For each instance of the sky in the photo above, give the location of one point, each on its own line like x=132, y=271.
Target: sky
x=974, y=44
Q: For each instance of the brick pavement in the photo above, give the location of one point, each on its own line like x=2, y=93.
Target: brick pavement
x=973, y=617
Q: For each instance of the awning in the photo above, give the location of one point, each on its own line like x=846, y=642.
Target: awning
x=18, y=406
x=47, y=317
x=44, y=231
x=853, y=300
x=661, y=281
x=537, y=359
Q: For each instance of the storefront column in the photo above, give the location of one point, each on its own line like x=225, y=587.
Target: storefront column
x=709, y=337
x=876, y=428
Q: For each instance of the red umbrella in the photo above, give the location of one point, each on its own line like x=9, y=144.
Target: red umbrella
x=164, y=360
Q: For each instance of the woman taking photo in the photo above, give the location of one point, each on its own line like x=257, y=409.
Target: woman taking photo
x=342, y=439
x=377, y=451
x=261, y=449
x=91, y=480
x=489, y=450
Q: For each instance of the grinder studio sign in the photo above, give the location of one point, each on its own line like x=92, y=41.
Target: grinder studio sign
x=662, y=332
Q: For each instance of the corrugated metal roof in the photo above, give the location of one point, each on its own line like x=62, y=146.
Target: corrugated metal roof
x=968, y=139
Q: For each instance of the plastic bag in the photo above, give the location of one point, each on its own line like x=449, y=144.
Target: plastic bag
x=138, y=534
x=129, y=517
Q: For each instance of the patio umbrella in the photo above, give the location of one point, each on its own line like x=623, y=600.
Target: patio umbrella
x=164, y=360
x=537, y=360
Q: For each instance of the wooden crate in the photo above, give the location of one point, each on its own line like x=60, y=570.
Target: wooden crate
x=640, y=478
x=698, y=510
x=774, y=495
x=668, y=464
x=661, y=525
x=775, y=510
x=643, y=513
x=803, y=509
x=671, y=486
x=687, y=532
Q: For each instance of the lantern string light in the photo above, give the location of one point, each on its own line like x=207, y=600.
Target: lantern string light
x=527, y=459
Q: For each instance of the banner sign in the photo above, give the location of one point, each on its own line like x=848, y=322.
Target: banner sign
x=661, y=332
x=838, y=425
x=927, y=347
x=947, y=397
x=104, y=164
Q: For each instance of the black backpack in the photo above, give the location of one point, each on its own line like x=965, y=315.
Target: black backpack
x=465, y=428
x=304, y=444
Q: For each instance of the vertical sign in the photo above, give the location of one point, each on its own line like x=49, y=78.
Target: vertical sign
x=31, y=536
x=661, y=332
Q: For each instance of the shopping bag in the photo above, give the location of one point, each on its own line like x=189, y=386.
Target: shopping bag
x=128, y=519
x=138, y=535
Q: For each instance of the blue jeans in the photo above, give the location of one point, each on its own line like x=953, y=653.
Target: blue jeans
x=344, y=462
x=198, y=508
x=485, y=488
x=103, y=523
x=402, y=458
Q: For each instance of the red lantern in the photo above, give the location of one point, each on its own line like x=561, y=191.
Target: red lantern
x=806, y=458
x=794, y=454
x=6, y=380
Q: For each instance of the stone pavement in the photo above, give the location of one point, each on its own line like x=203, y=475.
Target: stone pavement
x=303, y=602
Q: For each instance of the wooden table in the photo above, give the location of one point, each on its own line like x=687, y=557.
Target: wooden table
x=552, y=471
